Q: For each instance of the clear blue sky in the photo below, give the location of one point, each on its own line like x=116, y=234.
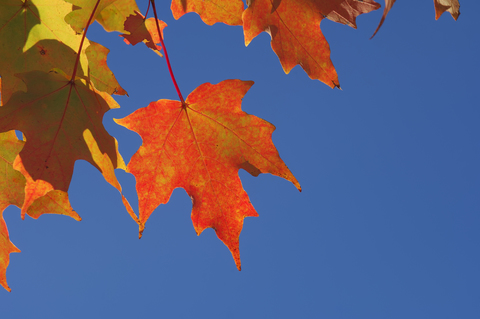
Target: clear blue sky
x=387, y=225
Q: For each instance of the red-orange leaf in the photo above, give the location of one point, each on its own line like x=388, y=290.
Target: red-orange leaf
x=200, y=146
x=294, y=28
x=211, y=11
x=452, y=6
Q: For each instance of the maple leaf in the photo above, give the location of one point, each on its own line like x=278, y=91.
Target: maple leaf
x=452, y=6
x=12, y=192
x=111, y=14
x=200, y=146
x=143, y=30
x=53, y=114
x=210, y=11
x=294, y=26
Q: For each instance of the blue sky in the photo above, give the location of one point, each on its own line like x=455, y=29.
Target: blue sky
x=386, y=225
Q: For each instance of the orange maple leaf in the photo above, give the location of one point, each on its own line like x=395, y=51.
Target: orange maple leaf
x=211, y=11
x=294, y=26
x=200, y=146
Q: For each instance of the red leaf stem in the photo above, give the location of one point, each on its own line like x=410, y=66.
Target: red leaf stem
x=166, y=54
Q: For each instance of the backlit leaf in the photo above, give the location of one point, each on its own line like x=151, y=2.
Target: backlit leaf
x=200, y=146
x=12, y=192
x=294, y=26
x=53, y=114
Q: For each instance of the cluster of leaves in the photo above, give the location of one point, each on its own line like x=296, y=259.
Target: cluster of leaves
x=56, y=87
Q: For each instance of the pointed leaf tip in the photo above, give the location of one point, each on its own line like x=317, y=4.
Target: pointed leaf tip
x=295, y=32
x=6, y=248
x=452, y=6
x=388, y=6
